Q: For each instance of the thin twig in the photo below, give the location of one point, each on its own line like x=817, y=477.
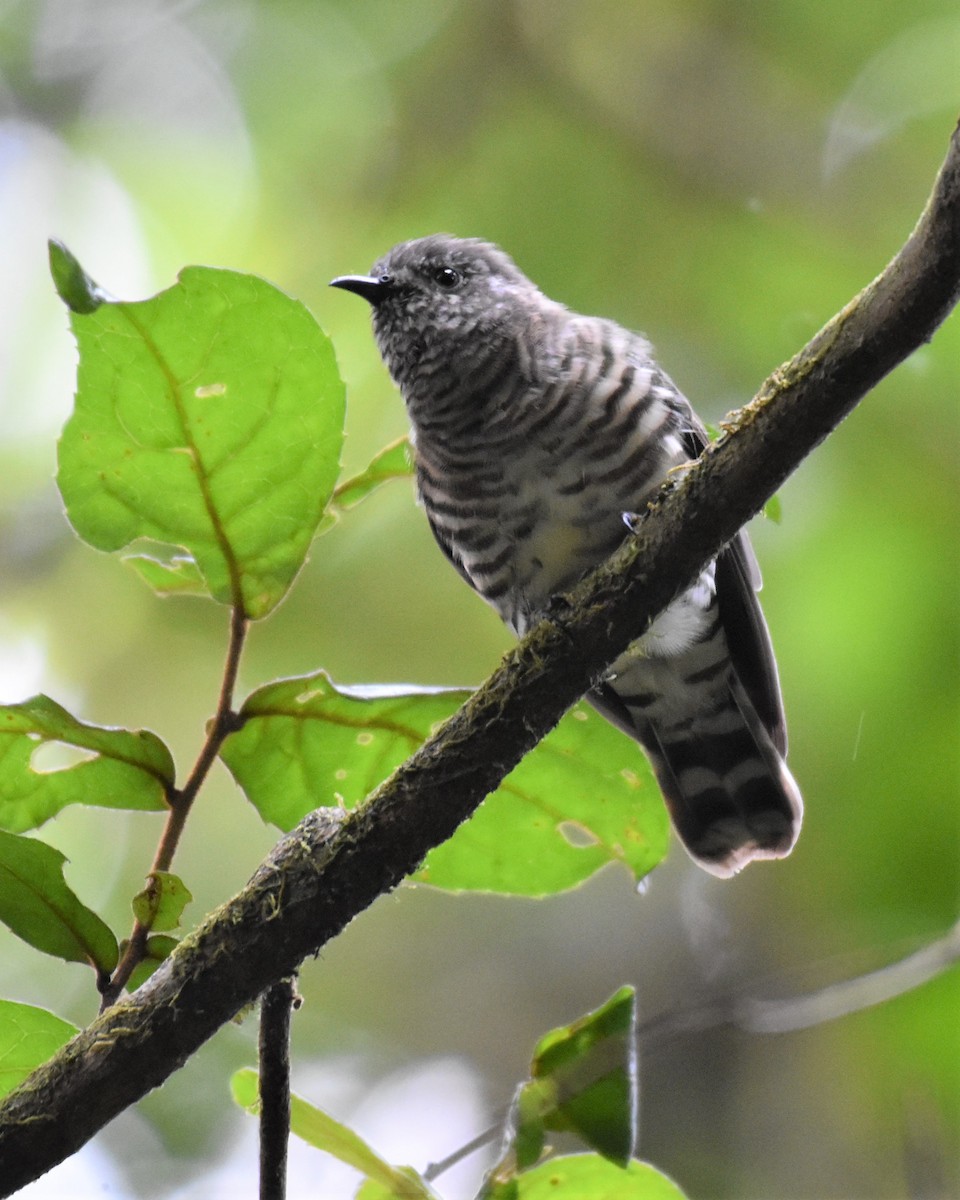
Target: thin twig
x=757, y=1014
x=181, y=800
x=435, y=1169
x=276, y=1007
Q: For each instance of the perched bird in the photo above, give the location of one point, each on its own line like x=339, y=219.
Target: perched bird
x=535, y=431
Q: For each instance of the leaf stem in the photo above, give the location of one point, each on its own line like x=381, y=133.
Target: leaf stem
x=181, y=800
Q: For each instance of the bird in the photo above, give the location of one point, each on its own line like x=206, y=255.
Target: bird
x=536, y=432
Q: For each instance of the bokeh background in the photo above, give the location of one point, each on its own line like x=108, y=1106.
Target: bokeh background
x=723, y=174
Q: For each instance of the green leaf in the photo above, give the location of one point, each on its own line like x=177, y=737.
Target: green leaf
x=393, y=462
x=160, y=905
x=245, y=1089
x=585, y=1177
x=158, y=948
x=773, y=509
x=528, y=1112
x=583, y=1081
x=583, y=798
x=168, y=571
x=74, y=286
x=127, y=769
x=208, y=419
x=591, y=1066
x=37, y=905
x=407, y=1185
x=320, y=1130
x=306, y=742
x=28, y=1037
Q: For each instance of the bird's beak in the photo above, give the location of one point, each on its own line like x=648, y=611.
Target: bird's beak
x=373, y=288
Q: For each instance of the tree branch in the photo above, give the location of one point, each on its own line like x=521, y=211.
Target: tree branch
x=333, y=866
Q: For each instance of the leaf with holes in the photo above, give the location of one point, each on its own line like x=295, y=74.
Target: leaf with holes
x=161, y=903
x=28, y=1037
x=37, y=905
x=208, y=423
x=49, y=759
x=583, y=798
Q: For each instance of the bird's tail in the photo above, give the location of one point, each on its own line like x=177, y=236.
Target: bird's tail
x=730, y=795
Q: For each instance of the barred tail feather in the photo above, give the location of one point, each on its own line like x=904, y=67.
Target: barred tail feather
x=730, y=795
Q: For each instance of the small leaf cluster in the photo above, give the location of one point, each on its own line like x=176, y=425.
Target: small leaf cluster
x=583, y=1080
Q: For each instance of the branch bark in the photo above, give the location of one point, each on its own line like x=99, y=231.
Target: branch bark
x=332, y=866
x=276, y=1010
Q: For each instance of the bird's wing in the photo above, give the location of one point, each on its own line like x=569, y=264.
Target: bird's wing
x=738, y=581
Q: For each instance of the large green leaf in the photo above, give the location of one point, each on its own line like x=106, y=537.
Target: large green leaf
x=585, y=1177
x=322, y=1131
x=128, y=769
x=28, y=1037
x=37, y=905
x=585, y=797
x=208, y=422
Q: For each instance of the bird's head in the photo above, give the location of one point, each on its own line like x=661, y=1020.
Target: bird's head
x=441, y=296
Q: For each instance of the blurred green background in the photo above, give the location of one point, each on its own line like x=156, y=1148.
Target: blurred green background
x=723, y=175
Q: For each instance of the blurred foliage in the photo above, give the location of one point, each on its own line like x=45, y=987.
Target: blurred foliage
x=720, y=173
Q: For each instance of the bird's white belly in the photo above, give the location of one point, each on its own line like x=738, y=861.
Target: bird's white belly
x=681, y=624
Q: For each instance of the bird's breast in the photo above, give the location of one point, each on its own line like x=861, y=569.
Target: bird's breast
x=526, y=489
x=550, y=550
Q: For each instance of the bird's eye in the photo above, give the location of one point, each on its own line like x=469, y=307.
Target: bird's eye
x=447, y=277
